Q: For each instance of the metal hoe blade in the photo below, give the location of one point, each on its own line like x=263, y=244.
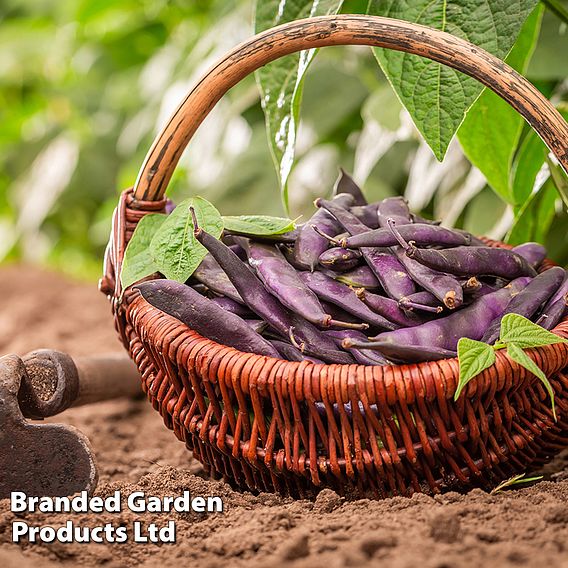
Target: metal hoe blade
x=39, y=459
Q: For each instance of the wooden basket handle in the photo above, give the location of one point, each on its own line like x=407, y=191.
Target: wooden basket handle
x=299, y=35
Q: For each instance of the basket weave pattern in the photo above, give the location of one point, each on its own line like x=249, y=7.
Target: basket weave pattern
x=266, y=424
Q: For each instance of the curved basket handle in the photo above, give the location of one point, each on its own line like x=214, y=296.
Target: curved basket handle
x=399, y=35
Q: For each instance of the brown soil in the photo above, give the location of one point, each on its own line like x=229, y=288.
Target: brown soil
x=521, y=527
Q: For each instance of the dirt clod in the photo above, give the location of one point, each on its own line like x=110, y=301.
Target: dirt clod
x=558, y=514
x=298, y=548
x=372, y=545
x=445, y=527
x=326, y=501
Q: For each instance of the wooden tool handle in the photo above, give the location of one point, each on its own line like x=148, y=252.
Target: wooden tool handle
x=346, y=29
x=106, y=377
x=55, y=382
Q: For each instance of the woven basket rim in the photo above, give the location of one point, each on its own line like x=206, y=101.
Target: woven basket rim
x=432, y=378
x=406, y=372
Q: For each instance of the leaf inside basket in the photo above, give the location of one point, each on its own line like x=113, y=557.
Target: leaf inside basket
x=174, y=249
x=258, y=224
x=138, y=262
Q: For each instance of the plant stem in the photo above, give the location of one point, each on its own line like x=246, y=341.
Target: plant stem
x=559, y=179
x=515, y=480
x=557, y=9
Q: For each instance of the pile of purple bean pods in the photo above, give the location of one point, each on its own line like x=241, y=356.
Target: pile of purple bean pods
x=360, y=283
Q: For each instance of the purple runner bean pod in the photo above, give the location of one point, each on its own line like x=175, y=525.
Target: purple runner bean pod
x=339, y=259
x=284, y=282
x=309, y=244
x=328, y=289
x=204, y=316
x=290, y=353
x=556, y=307
x=554, y=314
x=388, y=308
x=367, y=214
x=471, y=322
x=346, y=184
x=443, y=286
x=213, y=276
x=387, y=268
x=230, y=305
x=527, y=302
x=419, y=234
x=534, y=253
x=362, y=356
x=395, y=208
x=360, y=277
x=264, y=304
x=468, y=261
x=402, y=353
x=422, y=301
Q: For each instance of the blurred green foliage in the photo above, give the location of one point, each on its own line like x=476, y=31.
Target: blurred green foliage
x=85, y=86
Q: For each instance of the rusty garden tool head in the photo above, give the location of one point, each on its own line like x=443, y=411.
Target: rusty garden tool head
x=50, y=384
x=39, y=459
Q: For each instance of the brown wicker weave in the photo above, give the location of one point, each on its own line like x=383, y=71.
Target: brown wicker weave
x=254, y=419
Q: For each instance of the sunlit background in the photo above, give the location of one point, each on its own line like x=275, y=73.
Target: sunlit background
x=85, y=85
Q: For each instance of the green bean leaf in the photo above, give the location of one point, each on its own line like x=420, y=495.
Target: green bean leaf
x=263, y=225
x=531, y=155
x=529, y=158
x=438, y=97
x=138, y=262
x=550, y=63
x=525, y=334
x=560, y=180
x=490, y=147
x=474, y=357
x=281, y=82
x=174, y=249
x=534, y=218
x=519, y=356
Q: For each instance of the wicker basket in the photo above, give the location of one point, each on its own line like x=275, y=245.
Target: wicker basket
x=254, y=420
